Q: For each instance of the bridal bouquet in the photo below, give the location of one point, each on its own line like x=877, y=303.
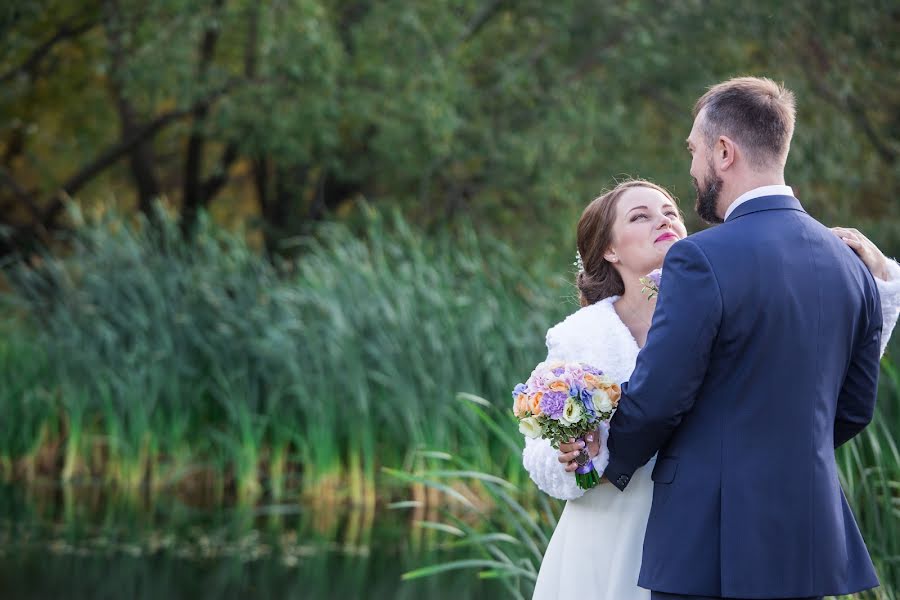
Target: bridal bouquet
x=564, y=400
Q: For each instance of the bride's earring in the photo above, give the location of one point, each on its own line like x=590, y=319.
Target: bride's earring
x=611, y=257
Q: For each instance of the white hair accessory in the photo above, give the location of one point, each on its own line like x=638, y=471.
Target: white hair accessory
x=579, y=264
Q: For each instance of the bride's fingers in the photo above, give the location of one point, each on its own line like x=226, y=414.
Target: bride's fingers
x=571, y=467
x=571, y=447
x=843, y=232
x=850, y=237
x=567, y=457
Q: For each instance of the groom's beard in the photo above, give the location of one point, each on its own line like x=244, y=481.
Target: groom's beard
x=708, y=196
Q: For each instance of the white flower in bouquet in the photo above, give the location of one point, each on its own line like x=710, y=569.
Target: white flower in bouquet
x=530, y=427
x=573, y=412
x=602, y=402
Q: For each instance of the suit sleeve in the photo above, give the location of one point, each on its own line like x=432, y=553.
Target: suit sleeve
x=856, y=402
x=671, y=367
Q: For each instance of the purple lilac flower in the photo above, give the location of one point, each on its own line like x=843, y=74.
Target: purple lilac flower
x=553, y=403
x=559, y=371
x=592, y=370
x=520, y=388
x=655, y=276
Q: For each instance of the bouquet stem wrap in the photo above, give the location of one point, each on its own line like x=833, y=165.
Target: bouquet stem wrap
x=586, y=475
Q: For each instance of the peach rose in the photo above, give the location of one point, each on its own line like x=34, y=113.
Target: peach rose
x=613, y=391
x=558, y=385
x=592, y=381
x=521, y=405
x=536, y=403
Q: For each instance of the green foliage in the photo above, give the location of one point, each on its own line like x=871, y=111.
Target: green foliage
x=202, y=351
x=870, y=477
x=509, y=541
x=499, y=113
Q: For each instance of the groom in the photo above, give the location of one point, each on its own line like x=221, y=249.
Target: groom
x=762, y=359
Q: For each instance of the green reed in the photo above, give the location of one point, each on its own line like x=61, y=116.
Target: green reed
x=870, y=477
x=508, y=541
x=142, y=359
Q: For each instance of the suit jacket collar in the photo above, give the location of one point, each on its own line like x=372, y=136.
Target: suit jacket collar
x=765, y=203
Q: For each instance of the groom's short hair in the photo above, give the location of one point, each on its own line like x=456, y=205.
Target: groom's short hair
x=755, y=112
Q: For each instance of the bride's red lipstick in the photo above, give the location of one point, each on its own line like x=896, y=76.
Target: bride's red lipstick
x=666, y=236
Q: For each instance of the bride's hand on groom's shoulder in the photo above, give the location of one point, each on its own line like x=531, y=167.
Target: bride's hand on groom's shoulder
x=873, y=258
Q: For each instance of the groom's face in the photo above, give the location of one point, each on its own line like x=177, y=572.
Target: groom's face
x=707, y=183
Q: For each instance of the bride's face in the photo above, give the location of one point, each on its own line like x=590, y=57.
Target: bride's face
x=646, y=226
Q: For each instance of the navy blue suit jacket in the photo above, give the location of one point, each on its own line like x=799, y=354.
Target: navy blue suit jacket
x=763, y=357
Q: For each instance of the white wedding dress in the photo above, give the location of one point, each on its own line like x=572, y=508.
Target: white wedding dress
x=596, y=549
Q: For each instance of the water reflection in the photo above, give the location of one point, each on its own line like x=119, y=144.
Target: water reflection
x=64, y=542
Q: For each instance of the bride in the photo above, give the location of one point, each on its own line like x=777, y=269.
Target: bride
x=622, y=236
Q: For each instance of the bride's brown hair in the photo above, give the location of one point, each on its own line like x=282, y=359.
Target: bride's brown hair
x=599, y=279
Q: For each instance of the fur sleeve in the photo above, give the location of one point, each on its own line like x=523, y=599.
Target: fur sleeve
x=545, y=470
x=890, y=302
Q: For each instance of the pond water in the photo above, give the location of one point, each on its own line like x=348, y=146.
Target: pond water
x=60, y=542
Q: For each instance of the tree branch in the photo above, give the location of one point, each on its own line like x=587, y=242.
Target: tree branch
x=20, y=193
x=141, y=157
x=116, y=151
x=192, y=196
x=214, y=183
x=482, y=18
x=30, y=64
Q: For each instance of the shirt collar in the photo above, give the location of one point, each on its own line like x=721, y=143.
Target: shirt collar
x=766, y=190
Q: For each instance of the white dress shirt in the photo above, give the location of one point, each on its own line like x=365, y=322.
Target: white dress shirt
x=766, y=190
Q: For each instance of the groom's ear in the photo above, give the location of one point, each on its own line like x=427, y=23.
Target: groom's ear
x=724, y=154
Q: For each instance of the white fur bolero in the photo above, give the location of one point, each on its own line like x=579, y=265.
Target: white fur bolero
x=596, y=335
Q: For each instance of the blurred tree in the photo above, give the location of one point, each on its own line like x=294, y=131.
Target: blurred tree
x=511, y=113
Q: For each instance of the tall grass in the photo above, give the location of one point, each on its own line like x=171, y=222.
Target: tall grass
x=508, y=541
x=870, y=475
x=507, y=535
x=142, y=359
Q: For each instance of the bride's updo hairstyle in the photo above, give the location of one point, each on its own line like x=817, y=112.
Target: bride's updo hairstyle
x=599, y=279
